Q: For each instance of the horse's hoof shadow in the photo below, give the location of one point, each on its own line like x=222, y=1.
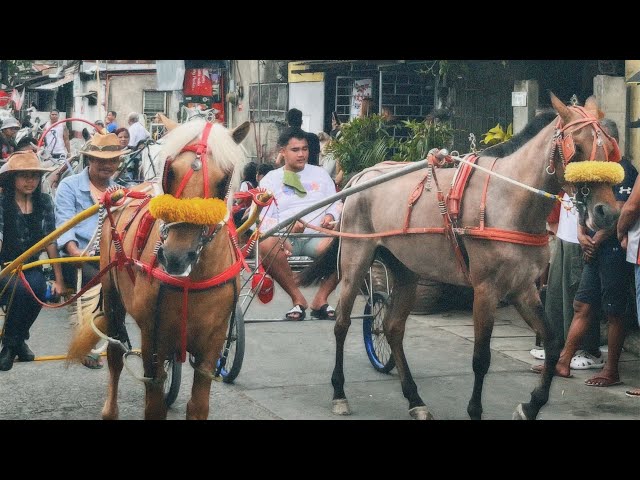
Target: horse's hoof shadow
x=420, y=413
x=341, y=407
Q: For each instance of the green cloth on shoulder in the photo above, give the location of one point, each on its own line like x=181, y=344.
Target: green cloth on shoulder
x=292, y=179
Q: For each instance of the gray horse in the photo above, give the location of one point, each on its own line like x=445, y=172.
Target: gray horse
x=500, y=265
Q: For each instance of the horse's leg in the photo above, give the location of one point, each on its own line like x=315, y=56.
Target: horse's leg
x=115, y=314
x=485, y=301
x=198, y=404
x=530, y=307
x=351, y=276
x=402, y=300
x=153, y=357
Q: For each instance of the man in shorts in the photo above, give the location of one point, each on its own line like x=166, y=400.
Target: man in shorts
x=296, y=186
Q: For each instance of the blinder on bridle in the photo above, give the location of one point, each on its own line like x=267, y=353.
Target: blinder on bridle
x=564, y=142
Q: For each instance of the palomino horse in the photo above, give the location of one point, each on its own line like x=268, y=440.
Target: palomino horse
x=501, y=243
x=186, y=304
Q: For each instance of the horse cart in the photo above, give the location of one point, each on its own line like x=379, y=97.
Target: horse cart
x=494, y=241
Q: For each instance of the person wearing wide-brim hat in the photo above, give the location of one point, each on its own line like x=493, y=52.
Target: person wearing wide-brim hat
x=26, y=217
x=75, y=194
x=8, y=131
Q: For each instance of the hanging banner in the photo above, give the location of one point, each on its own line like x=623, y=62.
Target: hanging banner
x=197, y=81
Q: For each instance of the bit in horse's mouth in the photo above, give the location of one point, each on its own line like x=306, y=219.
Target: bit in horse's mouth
x=186, y=272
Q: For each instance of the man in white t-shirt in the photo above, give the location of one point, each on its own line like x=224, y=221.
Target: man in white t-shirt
x=56, y=140
x=296, y=186
x=137, y=132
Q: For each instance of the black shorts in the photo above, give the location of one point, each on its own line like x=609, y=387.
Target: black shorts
x=605, y=280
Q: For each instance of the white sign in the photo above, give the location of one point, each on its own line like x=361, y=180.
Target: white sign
x=361, y=89
x=518, y=99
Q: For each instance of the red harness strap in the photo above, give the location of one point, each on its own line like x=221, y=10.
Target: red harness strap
x=454, y=198
x=186, y=285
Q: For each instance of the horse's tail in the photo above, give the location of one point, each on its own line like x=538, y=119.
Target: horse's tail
x=323, y=266
x=85, y=338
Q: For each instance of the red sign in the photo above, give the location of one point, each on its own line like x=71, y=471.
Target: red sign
x=5, y=97
x=197, y=81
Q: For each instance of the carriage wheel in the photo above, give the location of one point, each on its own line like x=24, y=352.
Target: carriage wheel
x=375, y=342
x=233, y=350
x=173, y=367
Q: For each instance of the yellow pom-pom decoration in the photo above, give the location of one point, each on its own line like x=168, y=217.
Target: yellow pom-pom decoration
x=199, y=211
x=594, y=172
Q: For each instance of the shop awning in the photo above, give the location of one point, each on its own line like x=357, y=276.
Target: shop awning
x=56, y=84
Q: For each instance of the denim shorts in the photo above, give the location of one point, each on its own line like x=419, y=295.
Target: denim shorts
x=305, y=246
x=606, y=279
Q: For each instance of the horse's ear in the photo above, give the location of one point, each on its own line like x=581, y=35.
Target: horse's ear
x=591, y=106
x=240, y=132
x=167, y=122
x=561, y=108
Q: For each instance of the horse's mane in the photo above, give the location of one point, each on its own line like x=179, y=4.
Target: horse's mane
x=227, y=155
x=530, y=130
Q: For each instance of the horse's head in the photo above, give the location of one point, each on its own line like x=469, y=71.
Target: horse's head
x=202, y=161
x=585, y=155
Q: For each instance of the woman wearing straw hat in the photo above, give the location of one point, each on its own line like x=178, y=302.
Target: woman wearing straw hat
x=75, y=194
x=26, y=216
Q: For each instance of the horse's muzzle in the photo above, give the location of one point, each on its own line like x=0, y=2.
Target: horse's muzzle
x=604, y=217
x=178, y=264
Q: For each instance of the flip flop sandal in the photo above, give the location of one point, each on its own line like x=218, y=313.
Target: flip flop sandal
x=296, y=314
x=540, y=368
x=634, y=393
x=325, y=312
x=92, y=361
x=601, y=382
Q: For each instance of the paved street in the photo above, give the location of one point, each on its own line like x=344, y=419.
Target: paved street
x=287, y=369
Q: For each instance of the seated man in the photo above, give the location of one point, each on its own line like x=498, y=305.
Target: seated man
x=296, y=186
x=75, y=194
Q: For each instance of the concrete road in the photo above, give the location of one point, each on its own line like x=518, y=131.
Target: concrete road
x=287, y=370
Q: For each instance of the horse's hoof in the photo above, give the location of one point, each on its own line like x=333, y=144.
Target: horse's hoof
x=341, y=407
x=519, y=414
x=420, y=413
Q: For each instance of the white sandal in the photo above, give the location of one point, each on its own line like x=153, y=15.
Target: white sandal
x=537, y=353
x=584, y=361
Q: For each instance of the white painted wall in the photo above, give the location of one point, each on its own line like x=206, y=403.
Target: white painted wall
x=308, y=97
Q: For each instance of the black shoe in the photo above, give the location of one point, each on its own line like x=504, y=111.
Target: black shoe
x=24, y=352
x=7, y=355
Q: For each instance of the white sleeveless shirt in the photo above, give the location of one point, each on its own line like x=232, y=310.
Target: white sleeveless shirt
x=55, y=139
x=633, y=244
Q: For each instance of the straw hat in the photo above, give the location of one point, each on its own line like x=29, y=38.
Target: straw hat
x=9, y=122
x=104, y=146
x=24, y=161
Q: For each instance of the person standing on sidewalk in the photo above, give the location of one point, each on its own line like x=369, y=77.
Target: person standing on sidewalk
x=56, y=140
x=629, y=235
x=565, y=271
x=603, y=286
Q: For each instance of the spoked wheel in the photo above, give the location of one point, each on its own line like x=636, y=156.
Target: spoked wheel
x=233, y=349
x=375, y=342
x=173, y=367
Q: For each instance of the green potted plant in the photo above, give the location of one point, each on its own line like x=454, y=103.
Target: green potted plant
x=423, y=137
x=363, y=142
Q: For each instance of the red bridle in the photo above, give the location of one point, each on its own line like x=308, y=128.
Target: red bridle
x=563, y=138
